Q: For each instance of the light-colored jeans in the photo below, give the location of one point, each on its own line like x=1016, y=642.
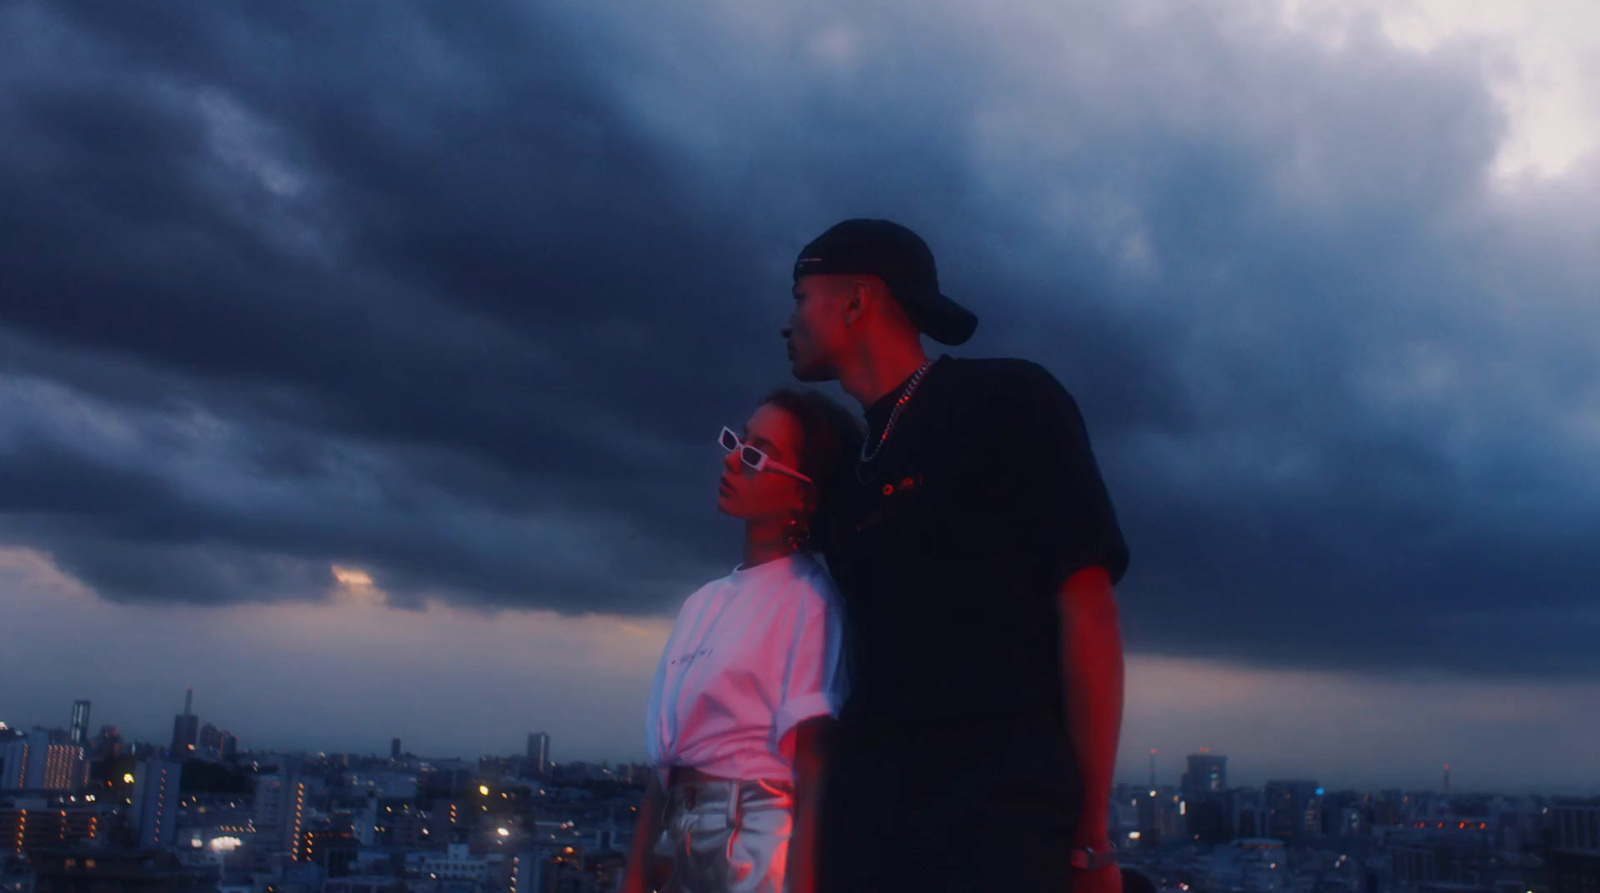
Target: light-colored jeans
x=728, y=836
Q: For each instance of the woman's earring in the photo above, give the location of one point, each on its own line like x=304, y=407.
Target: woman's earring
x=796, y=534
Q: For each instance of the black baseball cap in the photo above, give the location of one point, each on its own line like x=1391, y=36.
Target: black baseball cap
x=901, y=259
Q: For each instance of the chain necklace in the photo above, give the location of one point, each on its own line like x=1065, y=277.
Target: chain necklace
x=911, y=388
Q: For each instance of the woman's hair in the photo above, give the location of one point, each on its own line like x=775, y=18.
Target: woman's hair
x=830, y=437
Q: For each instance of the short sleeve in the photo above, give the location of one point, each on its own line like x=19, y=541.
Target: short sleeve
x=814, y=678
x=653, y=719
x=1052, y=475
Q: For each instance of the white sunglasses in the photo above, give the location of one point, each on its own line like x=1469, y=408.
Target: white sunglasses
x=754, y=457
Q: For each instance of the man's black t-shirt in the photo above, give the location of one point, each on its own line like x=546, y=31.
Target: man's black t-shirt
x=950, y=546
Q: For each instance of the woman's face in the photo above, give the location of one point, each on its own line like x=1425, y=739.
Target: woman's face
x=752, y=495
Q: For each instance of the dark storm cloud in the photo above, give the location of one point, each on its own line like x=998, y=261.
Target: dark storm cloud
x=456, y=297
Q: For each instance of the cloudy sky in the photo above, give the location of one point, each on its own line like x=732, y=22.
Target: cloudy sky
x=360, y=362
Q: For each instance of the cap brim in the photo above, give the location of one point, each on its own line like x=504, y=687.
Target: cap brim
x=943, y=320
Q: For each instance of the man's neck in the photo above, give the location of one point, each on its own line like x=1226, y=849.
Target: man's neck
x=881, y=371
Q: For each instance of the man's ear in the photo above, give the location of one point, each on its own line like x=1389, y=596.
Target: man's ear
x=853, y=303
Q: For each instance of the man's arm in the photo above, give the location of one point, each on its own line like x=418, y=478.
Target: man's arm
x=646, y=828
x=811, y=741
x=1091, y=675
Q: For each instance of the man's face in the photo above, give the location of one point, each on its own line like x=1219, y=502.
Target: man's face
x=815, y=332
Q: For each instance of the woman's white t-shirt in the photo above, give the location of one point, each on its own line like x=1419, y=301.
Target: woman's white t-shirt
x=751, y=656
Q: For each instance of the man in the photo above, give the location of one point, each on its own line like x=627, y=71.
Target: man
x=975, y=549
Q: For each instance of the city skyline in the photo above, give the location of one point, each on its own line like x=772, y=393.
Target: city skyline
x=351, y=822
x=1169, y=765
x=370, y=387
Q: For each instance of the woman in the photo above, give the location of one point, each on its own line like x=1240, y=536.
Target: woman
x=752, y=673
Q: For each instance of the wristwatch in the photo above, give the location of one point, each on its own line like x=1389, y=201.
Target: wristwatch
x=1085, y=858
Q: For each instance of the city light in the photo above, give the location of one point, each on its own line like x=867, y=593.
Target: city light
x=296, y=803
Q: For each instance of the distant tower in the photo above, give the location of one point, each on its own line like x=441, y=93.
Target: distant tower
x=1447, y=779
x=80, y=723
x=185, y=728
x=108, y=743
x=1152, y=768
x=210, y=739
x=394, y=749
x=539, y=753
x=1207, y=774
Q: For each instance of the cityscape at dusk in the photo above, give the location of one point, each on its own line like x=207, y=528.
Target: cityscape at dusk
x=207, y=811
x=460, y=680
x=362, y=365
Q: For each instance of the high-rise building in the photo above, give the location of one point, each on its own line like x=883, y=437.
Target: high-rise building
x=185, y=728
x=28, y=830
x=210, y=739
x=41, y=761
x=229, y=747
x=1208, y=773
x=1295, y=809
x=364, y=822
x=267, y=799
x=279, y=818
x=1206, y=809
x=80, y=723
x=1249, y=815
x=539, y=753
x=64, y=769
x=13, y=760
x=107, y=744
x=394, y=749
x=1573, y=861
x=155, y=801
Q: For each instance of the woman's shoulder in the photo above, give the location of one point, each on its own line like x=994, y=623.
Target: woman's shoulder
x=709, y=591
x=799, y=580
x=812, y=582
